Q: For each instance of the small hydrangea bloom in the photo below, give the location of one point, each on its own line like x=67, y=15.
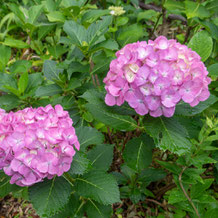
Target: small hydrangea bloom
x=154, y=77
x=36, y=144
x=116, y=11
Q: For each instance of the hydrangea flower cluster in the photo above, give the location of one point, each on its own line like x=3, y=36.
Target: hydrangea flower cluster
x=36, y=143
x=153, y=77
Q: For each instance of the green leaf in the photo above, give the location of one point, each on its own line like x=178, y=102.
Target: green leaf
x=97, y=29
x=51, y=70
x=92, y=15
x=186, y=110
x=195, y=9
x=138, y=153
x=13, y=7
x=146, y=15
x=151, y=175
x=199, y=189
x=110, y=44
x=125, y=35
x=213, y=70
x=76, y=32
x=173, y=5
x=20, y=66
x=211, y=28
x=50, y=196
x=88, y=136
x=202, y=43
x=96, y=210
x=120, y=21
x=5, y=54
x=14, y=43
x=9, y=102
x=34, y=13
x=48, y=90
x=77, y=67
x=103, y=114
x=176, y=196
x=56, y=16
x=57, y=50
x=101, y=66
x=172, y=167
x=79, y=165
x=101, y=156
x=99, y=186
x=5, y=186
x=168, y=134
x=34, y=81
x=23, y=82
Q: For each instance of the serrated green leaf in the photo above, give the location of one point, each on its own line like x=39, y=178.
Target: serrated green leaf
x=15, y=43
x=170, y=166
x=9, y=102
x=97, y=29
x=195, y=9
x=138, y=153
x=51, y=70
x=101, y=156
x=5, y=54
x=168, y=134
x=202, y=43
x=34, y=81
x=173, y=5
x=104, y=114
x=56, y=16
x=48, y=90
x=34, y=13
x=99, y=186
x=110, y=44
x=151, y=175
x=92, y=15
x=213, y=70
x=94, y=210
x=88, y=136
x=20, y=66
x=76, y=32
x=23, y=82
x=80, y=164
x=198, y=189
x=175, y=196
x=5, y=186
x=186, y=110
x=125, y=35
x=50, y=196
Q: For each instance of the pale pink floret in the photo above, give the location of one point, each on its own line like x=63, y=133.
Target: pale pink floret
x=163, y=71
x=36, y=144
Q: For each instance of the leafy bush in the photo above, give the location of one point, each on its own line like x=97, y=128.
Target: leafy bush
x=58, y=52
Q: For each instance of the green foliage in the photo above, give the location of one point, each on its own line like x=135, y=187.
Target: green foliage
x=98, y=186
x=168, y=134
x=202, y=43
x=50, y=196
x=58, y=52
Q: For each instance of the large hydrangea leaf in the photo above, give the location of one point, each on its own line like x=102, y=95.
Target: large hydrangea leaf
x=168, y=134
x=99, y=186
x=50, y=196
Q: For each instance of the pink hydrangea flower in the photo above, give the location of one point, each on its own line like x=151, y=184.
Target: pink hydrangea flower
x=36, y=144
x=154, y=77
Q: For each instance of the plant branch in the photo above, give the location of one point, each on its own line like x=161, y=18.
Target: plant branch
x=185, y=193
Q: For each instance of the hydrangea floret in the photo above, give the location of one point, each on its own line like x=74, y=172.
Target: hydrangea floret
x=154, y=77
x=36, y=144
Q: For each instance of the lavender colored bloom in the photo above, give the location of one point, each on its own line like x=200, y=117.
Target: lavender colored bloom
x=36, y=144
x=163, y=71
